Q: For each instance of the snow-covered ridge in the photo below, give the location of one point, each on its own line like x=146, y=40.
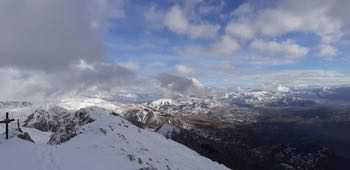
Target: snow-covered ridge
x=109, y=142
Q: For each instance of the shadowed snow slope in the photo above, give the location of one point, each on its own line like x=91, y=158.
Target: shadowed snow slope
x=108, y=143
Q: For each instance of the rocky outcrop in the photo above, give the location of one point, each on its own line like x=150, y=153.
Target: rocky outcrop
x=168, y=131
x=141, y=117
x=63, y=123
x=25, y=136
x=44, y=120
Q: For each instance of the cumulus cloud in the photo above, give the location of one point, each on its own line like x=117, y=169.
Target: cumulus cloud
x=134, y=66
x=313, y=19
x=51, y=47
x=176, y=21
x=336, y=9
x=226, y=46
x=173, y=85
x=101, y=74
x=251, y=23
x=290, y=16
x=183, y=70
x=24, y=84
x=241, y=30
x=50, y=35
x=17, y=84
x=244, y=9
x=286, y=48
x=328, y=51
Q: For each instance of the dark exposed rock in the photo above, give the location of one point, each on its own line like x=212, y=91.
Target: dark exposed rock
x=42, y=120
x=104, y=131
x=131, y=157
x=65, y=132
x=83, y=117
x=167, y=130
x=140, y=116
x=25, y=136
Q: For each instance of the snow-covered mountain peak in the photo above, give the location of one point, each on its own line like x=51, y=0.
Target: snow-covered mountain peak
x=106, y=142
x=162, y=102
x=283, y=89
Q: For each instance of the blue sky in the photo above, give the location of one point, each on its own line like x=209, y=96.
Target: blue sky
x=216, y=40
x=50, y=48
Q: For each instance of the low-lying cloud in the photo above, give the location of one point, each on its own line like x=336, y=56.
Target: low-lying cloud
x=89, y=79
x=48, y=35
x=55, y=47
x=173, y=85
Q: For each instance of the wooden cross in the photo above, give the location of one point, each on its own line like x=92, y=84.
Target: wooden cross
x=7, y=121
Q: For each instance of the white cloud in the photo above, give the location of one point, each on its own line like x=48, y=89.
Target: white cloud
x=184, y=70
x=252, y=23
x=244, y=9
x=83, y=65
x=104, y=10
x=286, y=48
x=197, y=83
x=176, y=21
x=328, y=51
x=50, y=47
x=173, y=84
x=51, y=35
x=241, y=30
x=291, y=16
x=21, y=85
x=130, y=65
x=227, y=46
x=28, y=84
x=280, y=21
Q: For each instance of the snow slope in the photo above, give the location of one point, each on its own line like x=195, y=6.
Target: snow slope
x=108, y=143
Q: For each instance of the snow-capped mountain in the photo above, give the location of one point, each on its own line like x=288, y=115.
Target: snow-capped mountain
x=259, y=98
x=92, y=139
x=242, y=105
x=82, y=126
x=162, y=102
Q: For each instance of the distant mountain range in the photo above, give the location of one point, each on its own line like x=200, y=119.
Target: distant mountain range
x=238, y=128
